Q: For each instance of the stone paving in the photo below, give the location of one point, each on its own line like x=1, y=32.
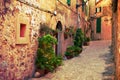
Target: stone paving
x=94, y=63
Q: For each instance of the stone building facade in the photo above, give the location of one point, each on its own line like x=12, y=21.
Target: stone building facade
x=101, y=17
x=19, y=29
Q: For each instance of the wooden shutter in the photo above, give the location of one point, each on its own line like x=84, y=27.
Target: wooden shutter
x=98, y=25
x=68, y=2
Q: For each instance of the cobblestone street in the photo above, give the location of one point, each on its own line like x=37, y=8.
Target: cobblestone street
x=94, y=63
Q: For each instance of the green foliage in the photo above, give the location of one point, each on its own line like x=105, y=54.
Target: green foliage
x=46, y=58
x=79, y=38
x=86, y=39
x=69, y=32
x=73, y=51
x=44, y=29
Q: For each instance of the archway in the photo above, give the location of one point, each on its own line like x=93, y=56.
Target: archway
x=59, y=26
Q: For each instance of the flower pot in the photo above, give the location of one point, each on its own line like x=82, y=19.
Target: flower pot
x=46, y=71
x=86, y=43
x=69, y=57
x=41, y=71
x=65, y=36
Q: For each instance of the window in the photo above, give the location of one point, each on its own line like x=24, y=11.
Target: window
x=98, y=9
x=22, y=30
x=98, y=25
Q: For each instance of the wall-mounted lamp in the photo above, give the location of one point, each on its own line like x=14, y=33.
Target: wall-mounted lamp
x=55, y=13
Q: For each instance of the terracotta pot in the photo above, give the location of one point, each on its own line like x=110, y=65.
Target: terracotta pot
x=69, y=57
x=86, y=43
x=46, y=71
x=65, y=36
x=42, y=72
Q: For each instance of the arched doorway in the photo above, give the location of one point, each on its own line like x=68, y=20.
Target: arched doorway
x=58, y=48
x=59, y=26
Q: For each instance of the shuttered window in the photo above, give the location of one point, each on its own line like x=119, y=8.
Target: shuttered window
x=98, y=25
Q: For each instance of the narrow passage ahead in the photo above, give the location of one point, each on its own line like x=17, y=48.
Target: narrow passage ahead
x=94, y=63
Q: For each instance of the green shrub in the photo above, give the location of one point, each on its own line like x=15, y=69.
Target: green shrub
x=73, y=51
x=45, y=29
x=86, y=39
x=46, y=58
x=79, y=38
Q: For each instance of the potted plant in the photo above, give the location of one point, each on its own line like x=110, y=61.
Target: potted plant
x=76, y=50
x=72, y=51
x=54, y=32
x=44, y=29
x=71, y=32
x=68, y=55
x=46, y=59
x=79, y=38
x=66, y=35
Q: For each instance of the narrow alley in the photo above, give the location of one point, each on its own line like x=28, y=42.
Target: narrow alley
x=94, y=63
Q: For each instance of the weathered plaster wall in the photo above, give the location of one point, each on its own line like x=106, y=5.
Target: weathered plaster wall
x=17, y=60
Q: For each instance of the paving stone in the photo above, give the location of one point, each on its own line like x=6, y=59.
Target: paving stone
x=92, y=64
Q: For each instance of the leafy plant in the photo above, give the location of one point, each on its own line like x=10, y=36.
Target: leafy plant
x=46, y=58
x=69, y=32
x=44, y=29
x=79, y=38
x=86, y=39
x=73, y=51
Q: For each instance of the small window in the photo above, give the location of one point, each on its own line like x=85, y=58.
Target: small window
x=98, y=9
x=22, y=30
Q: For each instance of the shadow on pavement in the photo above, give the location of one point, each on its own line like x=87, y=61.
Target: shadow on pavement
x=110, y=67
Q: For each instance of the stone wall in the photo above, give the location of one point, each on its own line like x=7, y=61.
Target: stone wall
x=116, y=36
x=17, y=60
x=17, y=53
